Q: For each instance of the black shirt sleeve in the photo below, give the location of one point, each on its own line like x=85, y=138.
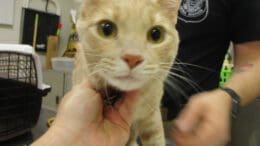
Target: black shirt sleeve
x=245, y=20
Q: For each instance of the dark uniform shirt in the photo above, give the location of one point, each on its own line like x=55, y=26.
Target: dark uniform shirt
x=206, y=28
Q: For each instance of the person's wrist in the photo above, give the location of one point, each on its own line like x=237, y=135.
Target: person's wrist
x=226, y=100
x=226, y=97
x=235, y=100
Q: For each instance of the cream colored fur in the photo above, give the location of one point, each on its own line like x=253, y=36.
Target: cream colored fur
x=99, y=59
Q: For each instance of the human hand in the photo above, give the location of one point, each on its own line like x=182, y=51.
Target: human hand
x=205, y=121
x=83, y=120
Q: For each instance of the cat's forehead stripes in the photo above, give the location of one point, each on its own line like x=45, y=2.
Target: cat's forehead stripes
x=125, y=9
x=139, y=15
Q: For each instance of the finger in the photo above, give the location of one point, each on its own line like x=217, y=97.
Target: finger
x=86, y=90
x=190, y=117
x=206, y=133
x=83, y=100
x=92, y=100
x=86, y=84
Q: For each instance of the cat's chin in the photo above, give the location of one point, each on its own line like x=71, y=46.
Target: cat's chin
x=126, y=84
x=116, y=87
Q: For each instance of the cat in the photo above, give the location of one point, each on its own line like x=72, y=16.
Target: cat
x=127, y=45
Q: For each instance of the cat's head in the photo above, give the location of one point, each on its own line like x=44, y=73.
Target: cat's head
x=128, y=43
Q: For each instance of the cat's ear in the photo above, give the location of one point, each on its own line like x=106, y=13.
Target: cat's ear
x=88, y=5
x=171, y=5
x=90, y=2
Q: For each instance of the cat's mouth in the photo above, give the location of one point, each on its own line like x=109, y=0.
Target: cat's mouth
x=111, y=95
x=126, y=77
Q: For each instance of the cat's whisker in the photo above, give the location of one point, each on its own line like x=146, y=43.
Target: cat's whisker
x=182, y=71
x=94, y=73
x=107, y=61
x=159, y=78
x=165, y=63
x=149, y=72
x=95, y=55
x=182, y=67
x=194, y=85
x=171, y=84
x=150, y=69
x=99, y=67
x=106, y=67
x=178, y=62
x=151, y=66
x=92, y=65
x=194, y=65
x=197, y=66
x=176, y=69
x=108, y=102
x=109, y=69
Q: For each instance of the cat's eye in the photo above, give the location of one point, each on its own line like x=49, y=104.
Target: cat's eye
x=156, y=34
x=107, y=29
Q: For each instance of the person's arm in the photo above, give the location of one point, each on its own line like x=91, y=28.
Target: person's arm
x=205, y=120
x=246, y=79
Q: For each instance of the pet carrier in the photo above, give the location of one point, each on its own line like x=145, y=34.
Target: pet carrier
x=21, y=90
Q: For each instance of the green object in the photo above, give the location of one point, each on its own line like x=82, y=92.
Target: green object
x=36, y=18
x=58, y=32
x=226, y=70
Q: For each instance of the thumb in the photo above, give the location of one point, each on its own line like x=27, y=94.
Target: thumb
x=189, y=117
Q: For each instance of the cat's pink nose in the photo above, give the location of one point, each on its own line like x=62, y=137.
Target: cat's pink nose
x=132, y=60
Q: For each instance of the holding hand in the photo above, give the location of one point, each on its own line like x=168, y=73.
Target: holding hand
x=83, y=120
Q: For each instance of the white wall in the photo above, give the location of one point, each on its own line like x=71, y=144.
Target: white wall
x=10, y=34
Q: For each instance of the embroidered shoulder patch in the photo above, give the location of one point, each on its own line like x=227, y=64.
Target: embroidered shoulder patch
x=193, y=11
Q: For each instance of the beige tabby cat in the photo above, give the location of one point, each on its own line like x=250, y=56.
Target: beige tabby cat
x=128, y=45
